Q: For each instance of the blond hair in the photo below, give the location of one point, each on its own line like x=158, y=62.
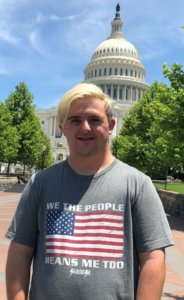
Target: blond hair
x=81, y=91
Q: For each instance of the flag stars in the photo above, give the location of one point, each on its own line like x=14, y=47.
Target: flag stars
x=60, y=222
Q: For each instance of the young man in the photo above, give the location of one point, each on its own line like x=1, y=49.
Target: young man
x=93, y=226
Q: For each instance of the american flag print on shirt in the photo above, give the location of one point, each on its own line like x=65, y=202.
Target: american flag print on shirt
x=95, y=235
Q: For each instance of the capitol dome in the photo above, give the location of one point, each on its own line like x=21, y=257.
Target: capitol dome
x=116, y=47
x=116, y=67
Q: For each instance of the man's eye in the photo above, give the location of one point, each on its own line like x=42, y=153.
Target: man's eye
x=75, y=121
x=94, y=120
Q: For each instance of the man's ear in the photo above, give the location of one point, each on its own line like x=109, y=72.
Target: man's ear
x=112, y=123
x=61, y=128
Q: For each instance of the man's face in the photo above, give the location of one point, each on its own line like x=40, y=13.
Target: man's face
x=87, y=127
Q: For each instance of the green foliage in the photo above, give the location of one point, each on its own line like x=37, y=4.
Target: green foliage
x=20, y=104
x=152, y=134
x=24, y=120
x=8, y=136
x=175, y=74
x=45, y=158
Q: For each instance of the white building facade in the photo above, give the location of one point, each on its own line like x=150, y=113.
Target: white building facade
x=116, y=67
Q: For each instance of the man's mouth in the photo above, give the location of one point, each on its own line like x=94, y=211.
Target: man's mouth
x=86, y=138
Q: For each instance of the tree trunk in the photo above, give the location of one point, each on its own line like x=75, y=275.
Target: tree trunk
x=166, y=174
x=24, y=170
x=8, y=170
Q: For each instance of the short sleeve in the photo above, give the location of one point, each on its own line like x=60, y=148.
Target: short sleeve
x=151, y=228
x=24, y=226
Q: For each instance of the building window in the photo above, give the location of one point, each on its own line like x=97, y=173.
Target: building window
x=109, y=91
x=95, y=73
x=110, y=71
x=126, y=72
x=100, y=72
x=127, y=93
x=91, y=74
x=43, y=122
x=115, y=71
x=105, y=71
x=121, y=71
x=58, y=134
x=120, y=93
x=134, y=94
x=114, y=93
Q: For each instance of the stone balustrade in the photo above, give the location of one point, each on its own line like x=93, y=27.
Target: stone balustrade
x=173, y=203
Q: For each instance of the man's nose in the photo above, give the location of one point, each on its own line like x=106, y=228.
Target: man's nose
x=86, y=125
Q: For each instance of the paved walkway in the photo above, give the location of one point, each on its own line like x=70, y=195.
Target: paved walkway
x=174, y=284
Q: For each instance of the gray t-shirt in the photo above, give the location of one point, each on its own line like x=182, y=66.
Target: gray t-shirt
x=87, y=231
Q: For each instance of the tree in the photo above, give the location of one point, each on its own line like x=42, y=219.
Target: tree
x=24, y=118
x=8, y=136
x=136, y=142
x=33, y=142
x=152, y=135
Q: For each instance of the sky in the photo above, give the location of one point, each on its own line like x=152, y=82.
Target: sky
x=47, y=44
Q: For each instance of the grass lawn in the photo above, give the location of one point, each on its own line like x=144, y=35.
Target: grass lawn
x=174, y=187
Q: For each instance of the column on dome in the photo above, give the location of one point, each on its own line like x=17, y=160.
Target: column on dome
x=124, y=92
x=114, y=92
x=111, y=91
x=137, y=94
x=117, y=96
x=120, y=92
x=134, y=94
x=131, y=94
x=105, y=89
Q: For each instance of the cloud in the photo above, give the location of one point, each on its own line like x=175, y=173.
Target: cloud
x=4, y=69
x=9, y=10
x=36, y=43
x=8, y=37
x=41, y=18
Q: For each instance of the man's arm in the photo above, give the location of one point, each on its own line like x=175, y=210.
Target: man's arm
x=18, y=271
x=152, y=275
